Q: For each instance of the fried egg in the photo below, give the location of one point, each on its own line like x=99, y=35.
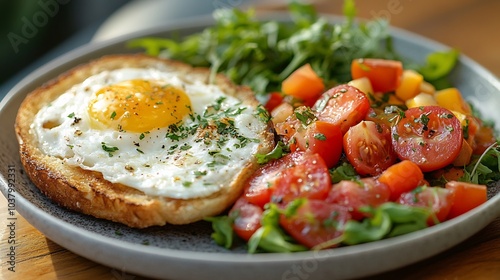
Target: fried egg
x=151, y=130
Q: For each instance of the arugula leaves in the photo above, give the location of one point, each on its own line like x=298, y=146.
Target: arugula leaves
x=387, y=220
x=270, y=237
x=261, y=54
x=344, y=171
x=223, y=233
x=484, y=169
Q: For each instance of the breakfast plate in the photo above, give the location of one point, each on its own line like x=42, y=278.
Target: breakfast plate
x=187, y=252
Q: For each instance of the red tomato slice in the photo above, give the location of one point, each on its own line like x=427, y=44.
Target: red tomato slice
x=384, y=75
x=466, y=196
x=247, y=220
x=438, y=199
x=354, y=194
x=342, y=105
x=315, y=222
x=287, y=128
x=368, y=148
x=308, y=177
x=430, y=136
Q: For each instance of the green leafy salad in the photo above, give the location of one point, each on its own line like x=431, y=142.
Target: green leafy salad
x=405, y=152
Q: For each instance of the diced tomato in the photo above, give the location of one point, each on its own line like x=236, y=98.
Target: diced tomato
x=485, y=137
x=430, y=136
x=309, y=134
x=342, y=105
x=308, y=178
x=437, y=199
x=315, y=222
x=368, y=148
x=303, y=84
x=275, y=99
x=288, y=128
x=322, y=138
x=401, y=177
x=466, y=196
x=354, y=194
x=384, y=75
x=247, y=220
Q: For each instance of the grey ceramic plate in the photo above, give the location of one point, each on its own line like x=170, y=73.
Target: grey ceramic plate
x=187, y=252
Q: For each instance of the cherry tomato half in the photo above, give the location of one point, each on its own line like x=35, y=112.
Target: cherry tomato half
x=437, y=199
x=259, y=186
x=308, y=178
x=430, y=136
x=275, y=99
x=354, y=194
x=368, y=148
x=384, y=75
x=247, y=220
x=342, y=105
x=315, y=222
x=322, y=138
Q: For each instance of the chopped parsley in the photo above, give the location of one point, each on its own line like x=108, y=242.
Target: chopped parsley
x=186, y=147
x=200, y=173
x=305, y=115
x=263, y=114
x=109, y=149
x=320, y=136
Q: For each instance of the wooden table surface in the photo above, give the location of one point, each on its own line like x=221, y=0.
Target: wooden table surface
x=472, y=26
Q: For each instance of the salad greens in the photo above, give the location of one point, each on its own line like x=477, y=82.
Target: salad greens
x=387, y=220
x=261, y=54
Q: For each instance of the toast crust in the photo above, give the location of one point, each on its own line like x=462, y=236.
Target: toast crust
x=87, y=192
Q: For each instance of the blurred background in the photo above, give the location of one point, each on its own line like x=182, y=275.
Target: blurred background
x=36, y=31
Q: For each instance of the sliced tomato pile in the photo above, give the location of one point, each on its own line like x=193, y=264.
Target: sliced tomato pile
x=392, y=127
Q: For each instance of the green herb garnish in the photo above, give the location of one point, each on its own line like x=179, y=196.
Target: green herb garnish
x=109, y=149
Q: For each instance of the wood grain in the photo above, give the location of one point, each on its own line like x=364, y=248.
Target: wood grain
x=469, y=25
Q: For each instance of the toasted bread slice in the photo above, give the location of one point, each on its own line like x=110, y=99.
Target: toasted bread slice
x=87, y=192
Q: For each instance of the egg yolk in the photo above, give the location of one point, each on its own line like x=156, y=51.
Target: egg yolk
x=138, y=106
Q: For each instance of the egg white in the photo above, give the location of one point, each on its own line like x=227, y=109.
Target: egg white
x=183, y=162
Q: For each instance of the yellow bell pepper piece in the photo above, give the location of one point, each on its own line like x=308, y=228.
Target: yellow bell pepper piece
x=427, y=87
x=363, y=84
x=452, y=99
x=422, y=99
x=461, y=117
x=394, y=100
x=410, y=85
